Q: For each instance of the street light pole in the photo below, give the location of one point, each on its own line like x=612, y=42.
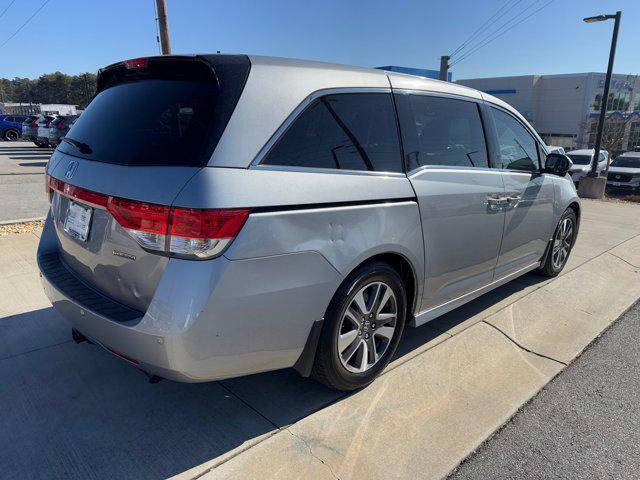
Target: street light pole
x=593, y=186
x=605, y=94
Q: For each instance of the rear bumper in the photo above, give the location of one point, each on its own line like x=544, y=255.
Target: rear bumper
x=208, y=320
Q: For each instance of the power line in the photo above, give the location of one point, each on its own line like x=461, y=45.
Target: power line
x=495, y=37
x=155, y=21
x=485, y=25
x=25, y=23
x=505, y=24
x=7, y=8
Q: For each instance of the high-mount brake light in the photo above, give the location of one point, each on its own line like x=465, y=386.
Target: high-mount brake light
x=191, y=233
x=136, y=63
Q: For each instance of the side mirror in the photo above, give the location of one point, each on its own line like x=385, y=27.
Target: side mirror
x=557, y=164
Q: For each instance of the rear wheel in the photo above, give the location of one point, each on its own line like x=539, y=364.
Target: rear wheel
x=11, y=135
x=362, y=328
x=561, y=245
x=41, y=144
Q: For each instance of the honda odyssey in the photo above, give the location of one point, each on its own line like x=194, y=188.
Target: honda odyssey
x=220, y=215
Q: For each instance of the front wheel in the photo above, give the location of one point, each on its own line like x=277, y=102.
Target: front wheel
x=561, y=245
x=362, y=328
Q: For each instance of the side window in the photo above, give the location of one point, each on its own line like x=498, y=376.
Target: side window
x=518, y=150
x=10, y=119
x=350, y=131
x=441, y=131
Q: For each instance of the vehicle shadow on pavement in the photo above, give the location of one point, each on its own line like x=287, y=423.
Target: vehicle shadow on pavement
x=74, y=411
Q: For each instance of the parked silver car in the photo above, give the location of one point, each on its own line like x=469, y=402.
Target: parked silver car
x=60, y=126
x=42, y=134
x=260, y=213
x=624, y=171
x=582, y=161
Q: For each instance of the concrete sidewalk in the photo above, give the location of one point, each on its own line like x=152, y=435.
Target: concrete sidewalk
x=76, y=412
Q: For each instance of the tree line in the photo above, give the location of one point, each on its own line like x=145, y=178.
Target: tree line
x=50, y=88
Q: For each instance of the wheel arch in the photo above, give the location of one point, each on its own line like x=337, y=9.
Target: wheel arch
x=407, y=272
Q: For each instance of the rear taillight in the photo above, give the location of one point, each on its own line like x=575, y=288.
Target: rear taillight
x=180, y=232
x=203, y=233
x=34, y=123
x=145, y=222
x=48, y=124
x=60, y=126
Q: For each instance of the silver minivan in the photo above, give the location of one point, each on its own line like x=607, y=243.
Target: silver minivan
x=220, y=215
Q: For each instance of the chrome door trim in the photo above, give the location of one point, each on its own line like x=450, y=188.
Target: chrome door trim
x=298, y=111
x=434, y=312
x=333, y=171
x=445, y=169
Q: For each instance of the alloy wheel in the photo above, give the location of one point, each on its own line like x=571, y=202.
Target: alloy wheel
x=367, y=327
x=562, y=243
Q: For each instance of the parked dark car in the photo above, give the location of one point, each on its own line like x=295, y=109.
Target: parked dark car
x=30, y=128
x=59, y=128
x=11, y=127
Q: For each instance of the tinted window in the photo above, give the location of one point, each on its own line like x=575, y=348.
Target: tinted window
x=518, y=149
x=580, y=159
x=9, y=119
x=627, y=162
x=351, y=131
x=154, y=122
x=441, y=131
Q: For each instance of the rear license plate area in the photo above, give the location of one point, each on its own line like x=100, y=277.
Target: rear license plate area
x=78, y=221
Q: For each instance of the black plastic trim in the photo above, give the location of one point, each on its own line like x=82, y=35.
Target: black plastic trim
x=57, y=273
x=311, y=206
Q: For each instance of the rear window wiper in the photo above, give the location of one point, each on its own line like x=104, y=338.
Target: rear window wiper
x=83, y=147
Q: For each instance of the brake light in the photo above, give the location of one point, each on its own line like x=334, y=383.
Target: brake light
x=34, y=123
x=183, y=232
x=60, y=125
x=204, y=233
x=136, y=63
x=145, y=222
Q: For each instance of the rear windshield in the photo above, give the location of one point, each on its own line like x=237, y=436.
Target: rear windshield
x=161, y=118
x=580, y=159
x=626, y=162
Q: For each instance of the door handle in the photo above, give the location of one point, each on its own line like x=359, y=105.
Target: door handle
x=495, y=201
x=513, y=199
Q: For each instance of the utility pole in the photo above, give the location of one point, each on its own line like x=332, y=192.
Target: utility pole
x=444, y=68
x=163, y=26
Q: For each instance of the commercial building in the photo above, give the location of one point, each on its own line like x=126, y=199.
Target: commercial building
x=36, y=108
x=564, y=108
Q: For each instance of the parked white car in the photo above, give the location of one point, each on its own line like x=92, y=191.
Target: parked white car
x=624, y=171
x=554, y=149
x=582, y=161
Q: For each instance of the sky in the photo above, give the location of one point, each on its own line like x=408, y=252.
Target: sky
x=74, y=36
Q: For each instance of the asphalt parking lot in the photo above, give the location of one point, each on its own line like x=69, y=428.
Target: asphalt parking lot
x=22, y=167
x=75, y=412
x=584, y=424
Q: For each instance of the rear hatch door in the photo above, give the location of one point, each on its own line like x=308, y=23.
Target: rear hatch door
x=153, y=125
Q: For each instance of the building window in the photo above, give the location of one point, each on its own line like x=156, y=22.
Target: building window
x=617, y=101
x=634, y=136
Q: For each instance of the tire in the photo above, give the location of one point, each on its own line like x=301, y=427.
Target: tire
x=41, y=144
x=564, y=238
x=347, y=370
x=11, y=135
